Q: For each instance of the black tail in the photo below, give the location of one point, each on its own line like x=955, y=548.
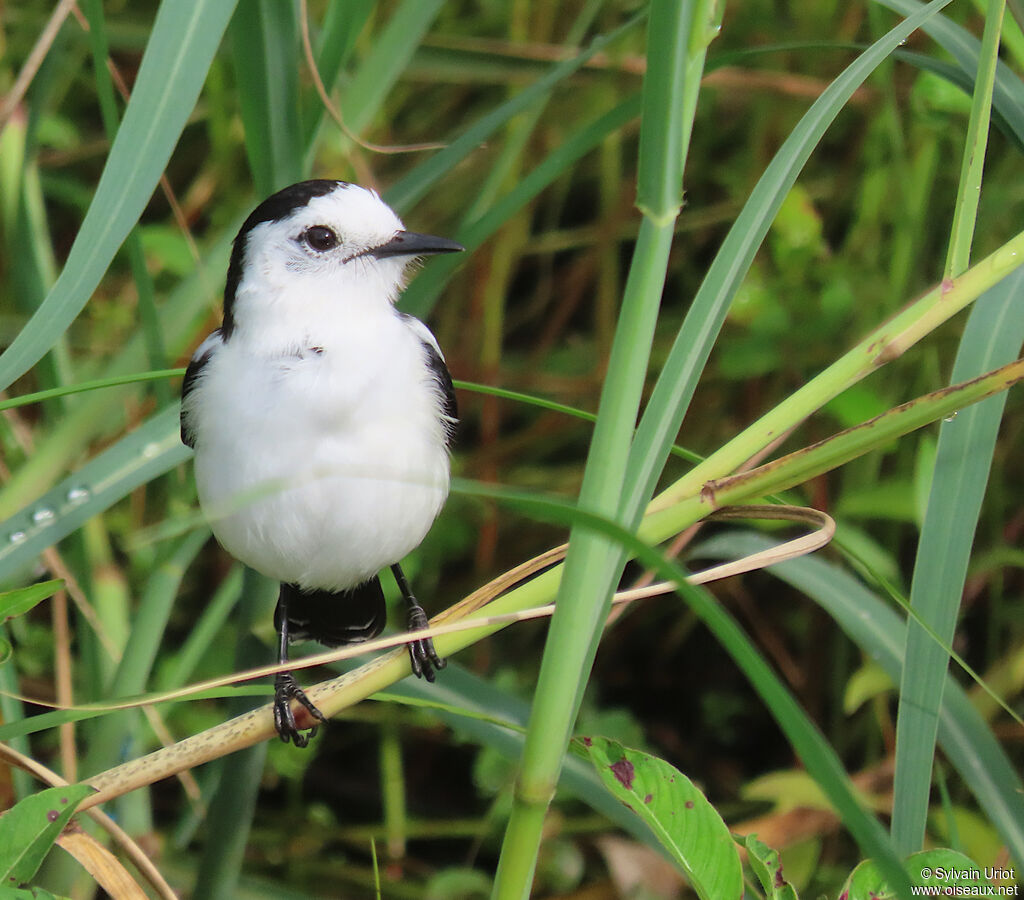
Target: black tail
x=333, y=617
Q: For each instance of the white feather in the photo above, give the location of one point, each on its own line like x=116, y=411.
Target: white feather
x=320, y=439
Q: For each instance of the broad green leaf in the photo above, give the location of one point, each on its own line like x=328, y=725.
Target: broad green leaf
x=28, y=830
x=944, y=869
x=688, y=827
x=21, y=600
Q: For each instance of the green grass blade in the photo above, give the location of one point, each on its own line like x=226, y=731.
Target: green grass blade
x=692, y=347
x=423, y=293
x=965, y=48
x=993, y=336
x=100, y=412
x=183, y=41
x=94, y=385
x=968, y=195
x=393, y=47
x=149, y=621
x=405, y=192
x=881, y=633
x=203, y=632
x=265, y=51
x=148, y=317
x=147, y=452
x=593, y=564
x=340, y=28
x=1003, y=118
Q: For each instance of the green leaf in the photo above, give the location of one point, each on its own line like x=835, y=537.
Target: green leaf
x=766, y=865
x=28, y=830
x=182, y=43
x=941, y=868
x=32, y=893
x=20, y=601
x=868, y=682
x=687, y=825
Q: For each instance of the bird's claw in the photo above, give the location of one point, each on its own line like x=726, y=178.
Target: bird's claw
x=286, y=689
x=422, y=655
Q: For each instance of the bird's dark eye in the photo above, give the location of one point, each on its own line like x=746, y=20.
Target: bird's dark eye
x=320, y=238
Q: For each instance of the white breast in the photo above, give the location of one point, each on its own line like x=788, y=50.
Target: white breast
x=322, y=468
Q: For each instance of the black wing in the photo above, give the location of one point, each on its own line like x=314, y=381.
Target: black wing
x=334, y=617
x=449, y=405
x=439, y=371
x=195, y=367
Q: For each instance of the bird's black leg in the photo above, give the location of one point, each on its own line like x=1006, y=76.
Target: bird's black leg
x=422, y=654
x=286, y=688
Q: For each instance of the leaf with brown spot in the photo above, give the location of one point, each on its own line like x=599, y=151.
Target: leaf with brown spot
x=766, y=865
x=689, y=827
x=28, y=830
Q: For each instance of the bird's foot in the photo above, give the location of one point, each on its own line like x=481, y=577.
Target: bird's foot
x=286, y=689
x=422, y=655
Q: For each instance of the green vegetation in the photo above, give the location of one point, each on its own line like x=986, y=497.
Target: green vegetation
x=720, y=254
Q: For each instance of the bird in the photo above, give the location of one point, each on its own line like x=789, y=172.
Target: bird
x=321, y=419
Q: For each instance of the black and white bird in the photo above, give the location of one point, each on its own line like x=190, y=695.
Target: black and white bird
x=321, y=418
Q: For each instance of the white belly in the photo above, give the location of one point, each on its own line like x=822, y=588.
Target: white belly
x=316, y=479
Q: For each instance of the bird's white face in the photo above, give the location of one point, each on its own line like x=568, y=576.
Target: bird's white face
x=315, y=257
x=327, y=244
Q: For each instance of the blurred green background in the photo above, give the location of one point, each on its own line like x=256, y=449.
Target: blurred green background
x=532, y=308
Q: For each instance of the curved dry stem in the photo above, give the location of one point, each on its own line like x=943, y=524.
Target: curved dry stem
x=339, y=693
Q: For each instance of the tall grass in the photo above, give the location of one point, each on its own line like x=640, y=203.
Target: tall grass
x=753, y=316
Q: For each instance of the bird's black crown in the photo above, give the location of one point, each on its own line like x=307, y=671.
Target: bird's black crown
x=276, y=207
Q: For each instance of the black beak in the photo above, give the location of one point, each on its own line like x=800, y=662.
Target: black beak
x=409, y=243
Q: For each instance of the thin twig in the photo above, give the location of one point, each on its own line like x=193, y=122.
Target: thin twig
x=35, y=59
x=334, y=112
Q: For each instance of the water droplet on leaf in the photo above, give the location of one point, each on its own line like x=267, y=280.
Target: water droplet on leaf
x=78, y=495
x=43, y=516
